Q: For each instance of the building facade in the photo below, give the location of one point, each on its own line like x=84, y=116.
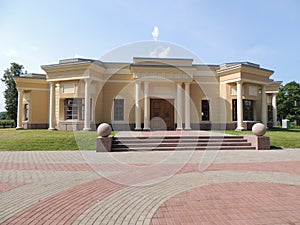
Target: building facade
x=147, y=94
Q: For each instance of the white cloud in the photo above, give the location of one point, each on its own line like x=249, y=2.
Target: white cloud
x=153, y=53
x=164, y=53
x=160, y=52
x=155, y=33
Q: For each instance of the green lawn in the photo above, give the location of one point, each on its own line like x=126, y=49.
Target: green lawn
x=12, y=139
x=20, y=140
x=279, y=138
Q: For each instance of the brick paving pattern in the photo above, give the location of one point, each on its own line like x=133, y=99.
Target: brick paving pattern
x=64, y=187
x=232, y=203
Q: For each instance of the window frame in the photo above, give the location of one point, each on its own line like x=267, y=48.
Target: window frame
x=26, y=111
x=73, y=114
x=246, y=111
x=119, y=109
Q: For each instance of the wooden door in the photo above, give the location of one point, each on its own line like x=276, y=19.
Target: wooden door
x=161, y=114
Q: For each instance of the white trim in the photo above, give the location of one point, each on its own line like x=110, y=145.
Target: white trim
x=244, y=80
x=33, y=89
x=272, y=92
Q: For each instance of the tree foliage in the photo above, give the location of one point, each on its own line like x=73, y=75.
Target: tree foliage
x=288, y=102
x=3, y=116
x=11, y=93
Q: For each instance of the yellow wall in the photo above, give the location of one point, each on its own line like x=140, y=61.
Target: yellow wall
x=39, y=106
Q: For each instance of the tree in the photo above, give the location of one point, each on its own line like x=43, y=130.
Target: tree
x=11, y=93
x=288, y=102
x=3, y=116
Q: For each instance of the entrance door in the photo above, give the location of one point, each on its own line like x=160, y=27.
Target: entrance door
x=161, y=114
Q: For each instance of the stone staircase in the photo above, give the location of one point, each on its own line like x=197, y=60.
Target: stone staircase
x=171, y=143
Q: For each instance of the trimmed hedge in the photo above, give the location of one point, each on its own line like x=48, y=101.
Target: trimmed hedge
x=7, y=124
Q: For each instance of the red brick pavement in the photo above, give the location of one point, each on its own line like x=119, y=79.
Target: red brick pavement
x=65, y=207
x=291, y=167
x=248, y=203
x=232, y=203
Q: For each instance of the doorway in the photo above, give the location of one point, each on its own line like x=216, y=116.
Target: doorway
x=161, y=114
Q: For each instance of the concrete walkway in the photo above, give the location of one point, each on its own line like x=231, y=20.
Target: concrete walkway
x=85, y=187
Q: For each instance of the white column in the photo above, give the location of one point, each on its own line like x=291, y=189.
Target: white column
x=146, y=106
x=187, y=121
x=274, y=110
x=137, y=106
x=179, y=106
x=20, y=110
x=87, y=105
x=239, y=100
x=52, y=107
x=264, y=118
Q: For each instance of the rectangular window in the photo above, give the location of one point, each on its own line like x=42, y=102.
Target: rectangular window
x=248, y=110
x=119, y=109
x=234, y=110
x=248, y=106
x=205, y=110
x=73, y=109
x=26, y=111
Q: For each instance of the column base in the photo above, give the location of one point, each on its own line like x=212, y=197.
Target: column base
x=138, y=129
x=179, y=129
x=19, y=128
x=51, y=129
x=239, y=129
x=87, y=129
x=146, y=129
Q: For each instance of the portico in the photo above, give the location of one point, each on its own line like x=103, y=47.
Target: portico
x=182, y=90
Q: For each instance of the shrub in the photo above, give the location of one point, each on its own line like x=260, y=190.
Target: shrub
x=7, y=124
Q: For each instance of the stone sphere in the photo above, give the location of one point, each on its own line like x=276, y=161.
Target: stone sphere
x=104, y=130
x=259, y=129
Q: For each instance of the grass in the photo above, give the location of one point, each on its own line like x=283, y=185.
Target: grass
x=279, y=138
x=30, y=140
x=22, y=140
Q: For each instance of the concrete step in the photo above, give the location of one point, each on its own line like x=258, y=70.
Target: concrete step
x=181, y=143
x=149, y=141
x=186, y=148
x=179, y=137
x=178, y=144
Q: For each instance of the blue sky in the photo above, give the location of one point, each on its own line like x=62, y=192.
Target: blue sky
x=266, y=32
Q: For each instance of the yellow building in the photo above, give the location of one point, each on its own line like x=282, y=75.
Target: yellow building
x=147, y=94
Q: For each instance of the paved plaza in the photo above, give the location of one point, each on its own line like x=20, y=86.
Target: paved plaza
x=189, y=187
